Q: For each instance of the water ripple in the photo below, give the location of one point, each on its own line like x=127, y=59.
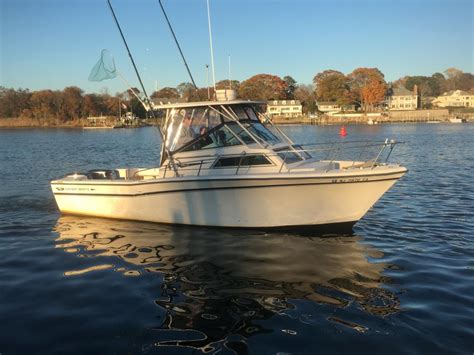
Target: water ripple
x=402, y=283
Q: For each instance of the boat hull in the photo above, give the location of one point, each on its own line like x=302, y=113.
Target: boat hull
x=250, y=202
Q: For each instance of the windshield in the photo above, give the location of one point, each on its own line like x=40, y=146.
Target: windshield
x=185, y=125
x=215, y=126
x=292, y=154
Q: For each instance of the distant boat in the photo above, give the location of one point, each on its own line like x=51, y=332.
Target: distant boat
x=457, y=119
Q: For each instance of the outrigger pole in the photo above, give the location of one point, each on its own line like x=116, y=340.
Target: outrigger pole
x=177, y=44
x=150, y=107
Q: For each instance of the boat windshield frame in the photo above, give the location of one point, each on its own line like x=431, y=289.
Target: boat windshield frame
x=187, y=128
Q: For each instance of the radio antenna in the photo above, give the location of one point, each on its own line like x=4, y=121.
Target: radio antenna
x=210, y=44
x=230, y=82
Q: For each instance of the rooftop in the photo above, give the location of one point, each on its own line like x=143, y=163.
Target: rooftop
x=401, y=91
x=283, y=102
x=326, y=103
x=455, y=93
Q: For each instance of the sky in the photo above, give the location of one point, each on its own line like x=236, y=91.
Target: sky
x=52, y=44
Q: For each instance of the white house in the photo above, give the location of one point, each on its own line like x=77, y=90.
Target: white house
x=328, y=107
x=402, y=99
x=284, y=108
x=455, y=98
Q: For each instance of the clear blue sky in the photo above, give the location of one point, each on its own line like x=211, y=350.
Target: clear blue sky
x=55, y=43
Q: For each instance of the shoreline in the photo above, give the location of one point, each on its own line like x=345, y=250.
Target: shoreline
x=279, y=123
x=22, y=123
x=409, y=117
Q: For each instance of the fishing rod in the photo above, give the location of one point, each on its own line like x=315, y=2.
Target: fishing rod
x=150, y=108
x=131, y=58
x=177, y=44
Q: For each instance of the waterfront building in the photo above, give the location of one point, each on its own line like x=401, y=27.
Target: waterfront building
x=402, y=99
x=331, y=108
x=328, y=107
x=284, y=108
x=455, y=98
x=99, y=121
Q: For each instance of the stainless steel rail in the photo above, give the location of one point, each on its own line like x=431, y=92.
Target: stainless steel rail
x=194, y=166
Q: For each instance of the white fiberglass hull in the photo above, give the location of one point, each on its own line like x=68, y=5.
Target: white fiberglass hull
x=245, y=202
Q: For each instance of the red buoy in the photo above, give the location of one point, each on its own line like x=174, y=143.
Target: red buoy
x=342, y=131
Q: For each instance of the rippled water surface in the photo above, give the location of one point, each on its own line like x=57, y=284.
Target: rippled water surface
x=403, y=282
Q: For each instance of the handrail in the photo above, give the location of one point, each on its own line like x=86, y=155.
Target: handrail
x=190, y=164
x=290, y=150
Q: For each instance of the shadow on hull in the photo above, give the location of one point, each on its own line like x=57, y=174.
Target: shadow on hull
x=313, y=230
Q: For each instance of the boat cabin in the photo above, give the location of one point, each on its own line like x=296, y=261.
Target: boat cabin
x=219, y=136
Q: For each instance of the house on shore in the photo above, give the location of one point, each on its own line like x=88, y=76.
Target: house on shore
x=455, y=98
x=402, y=99
x=330, y=108
x=284, y=108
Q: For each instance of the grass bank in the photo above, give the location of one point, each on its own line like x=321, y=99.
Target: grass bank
x=39, y=123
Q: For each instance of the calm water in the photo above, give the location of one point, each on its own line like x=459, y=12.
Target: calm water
x=402, y=283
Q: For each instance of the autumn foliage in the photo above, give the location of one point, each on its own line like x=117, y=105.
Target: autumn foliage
x=364, y=87
x=263, y=87
x=333, y=86
x=167, y=92
x=368, y=86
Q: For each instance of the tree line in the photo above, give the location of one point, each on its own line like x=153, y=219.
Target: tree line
x=364, y=87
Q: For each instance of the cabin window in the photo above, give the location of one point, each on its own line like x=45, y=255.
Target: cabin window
x=188, y=124
x=243, y=112
x=289, y=157
x=241, y=133
x=189, y=129
x=301, y=152
x=259, y=130
x=245, y=160
x=251, y=113
x=292, y=154
x=216, y=138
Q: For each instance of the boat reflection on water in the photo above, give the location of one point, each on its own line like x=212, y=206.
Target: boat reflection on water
x=221, y=282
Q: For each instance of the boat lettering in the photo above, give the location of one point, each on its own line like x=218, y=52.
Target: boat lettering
x=353, y=179
x=74, y=189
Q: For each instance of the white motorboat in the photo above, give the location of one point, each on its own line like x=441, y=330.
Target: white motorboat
x=224, y=164
x=457, y=119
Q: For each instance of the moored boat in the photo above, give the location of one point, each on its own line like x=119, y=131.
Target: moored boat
x=457, y=119
x=224, y=164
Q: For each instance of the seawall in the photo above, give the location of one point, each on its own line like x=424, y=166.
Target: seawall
x=438, y=115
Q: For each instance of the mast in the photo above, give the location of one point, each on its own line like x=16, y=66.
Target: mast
x=230, y=82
